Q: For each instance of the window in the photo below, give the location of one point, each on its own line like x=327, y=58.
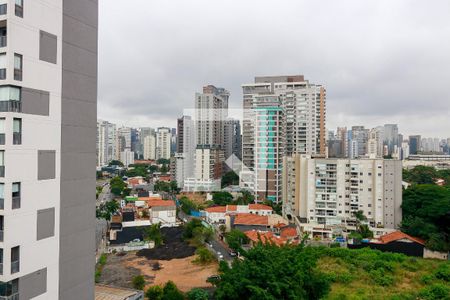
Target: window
x=18, y=67
x=10, y=99
x=3, y=63
x=19, y=8
x=3, y=9
x=15, y=259
x=2, y=163
x=17, y=131
x=3, y=32
x=16, y=195
x=2, y=196
x=2, y=131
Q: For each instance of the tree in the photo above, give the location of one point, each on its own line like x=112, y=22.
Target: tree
x=426, y=214
x=171, y=292
x=117, y=186
x=106, y=210
x=187, y=205
x=365, y=231
x=197, y=294
x=420, y=175
x=222, y=198
x=245, y=199
x=138, y=282
x=115, y=163
x=229, y=178
x=235, y=239
x=154, y=293
x=153, y=233
x=204, y=256
x=189, y=228
x=272, y=272
x=163, y=161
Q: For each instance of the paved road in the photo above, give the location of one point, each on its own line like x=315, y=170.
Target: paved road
x=104, y=196
x=218, y=247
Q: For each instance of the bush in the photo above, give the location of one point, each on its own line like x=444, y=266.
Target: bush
x=138, y=282
x=154, y=293
x=381, y=278
x=435, y=292
x=197, y=294
x=171, y=292
x=443, y=272
x=204, y=256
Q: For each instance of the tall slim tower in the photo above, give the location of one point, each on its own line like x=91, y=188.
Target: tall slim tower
x=48, y=148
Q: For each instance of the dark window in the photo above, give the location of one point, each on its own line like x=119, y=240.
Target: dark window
x=15, y=259
x=16, y=195
x=19, y=8
x=18, y=61
x=17, y=131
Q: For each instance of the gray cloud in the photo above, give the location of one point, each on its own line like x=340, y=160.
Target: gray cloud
x=382, y=61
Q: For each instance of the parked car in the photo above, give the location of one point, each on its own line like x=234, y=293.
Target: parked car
x=232, y=253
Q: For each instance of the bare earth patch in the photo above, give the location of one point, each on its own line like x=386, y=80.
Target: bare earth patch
x=182, y=272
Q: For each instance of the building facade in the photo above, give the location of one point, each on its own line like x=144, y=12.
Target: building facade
x=150, y=147
x=329, y=191
x=106, y=142
x=48, y=148
x=163, y=142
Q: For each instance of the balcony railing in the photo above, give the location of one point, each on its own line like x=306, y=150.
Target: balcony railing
x=10, y=106
x=2, y=171
x=1, y=235
x=16, y=202
x=14, y=296
x=15, y=266
x=3, y=41
x=2, y=74
x=17, y=138
x=3, y=9
x=2, y=203
x=2, y=139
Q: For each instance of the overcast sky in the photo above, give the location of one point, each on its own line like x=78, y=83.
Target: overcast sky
x=381, y=61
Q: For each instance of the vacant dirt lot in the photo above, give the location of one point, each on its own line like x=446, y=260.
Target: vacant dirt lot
x=175, y=258
x=183, y=272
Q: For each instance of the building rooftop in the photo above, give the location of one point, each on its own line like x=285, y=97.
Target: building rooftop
x=265, y=237
x=251, y=219
x=216, y=209
x=259, y=207
x=104, y=292
x=154, y=203
x=398, y=235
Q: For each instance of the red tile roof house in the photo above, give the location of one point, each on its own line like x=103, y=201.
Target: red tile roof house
x=217, y=214
x=397, y=242
x=163, y=211
x=256, y=236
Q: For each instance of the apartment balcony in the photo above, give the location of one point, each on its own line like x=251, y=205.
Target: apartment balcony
x=10, y=106
x=1, y=235
x=2, y=41
x=2, y=74
x=2, y=171
x=2, y=139
x=15, y=266
x=16, y=202
x=17, y=138
x=2, y=203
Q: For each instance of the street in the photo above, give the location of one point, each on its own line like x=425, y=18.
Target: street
x=104, y=196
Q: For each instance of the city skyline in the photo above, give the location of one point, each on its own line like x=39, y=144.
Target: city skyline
x=375, y=73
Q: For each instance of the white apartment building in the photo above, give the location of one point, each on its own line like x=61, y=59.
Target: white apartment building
x=186, y=144
x=375, y=143
x=211, y=109
x=106, y=142
x=150, y=147
x=301, y=129
x=328, y=191
x=48, y=104
x=163, y=142
x=127, y=157
x=208, y=163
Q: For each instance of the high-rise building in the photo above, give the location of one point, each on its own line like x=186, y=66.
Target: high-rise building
x=106, y=142
x=150, y=147
x=329, y=191
x=208, y=163
x=375, y=143
x=414, y=144
x=163, y=142
x=211, y=109
x=391, y=138
x=301, y=106
x=124, y=135
x=48, y=149
x=361, y=136
x=186, y=145
x=232, y=138
x=173, y=141
x=127, y=157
